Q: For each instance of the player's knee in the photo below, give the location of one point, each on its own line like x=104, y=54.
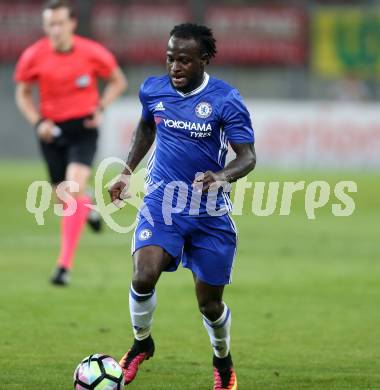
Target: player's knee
x=144, y=282
x=211, y=309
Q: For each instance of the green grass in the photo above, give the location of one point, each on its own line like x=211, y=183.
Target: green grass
x=305, y=299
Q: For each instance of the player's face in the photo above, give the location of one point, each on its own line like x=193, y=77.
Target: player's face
x=59, y=27
x=184, y=63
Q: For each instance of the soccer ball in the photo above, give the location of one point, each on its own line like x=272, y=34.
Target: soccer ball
x=98, y=372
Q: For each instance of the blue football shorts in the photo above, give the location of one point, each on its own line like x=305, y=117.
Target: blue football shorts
x=204, y=244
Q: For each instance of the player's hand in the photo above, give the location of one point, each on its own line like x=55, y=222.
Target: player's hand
x=95, y=121
x=45, y=130
x=208, y=180
x=119, y=190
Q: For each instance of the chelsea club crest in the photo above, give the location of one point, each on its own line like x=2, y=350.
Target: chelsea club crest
x=203, y=110
x=145, y=234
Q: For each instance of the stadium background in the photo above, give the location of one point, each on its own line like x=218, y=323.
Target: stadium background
x=305, y=294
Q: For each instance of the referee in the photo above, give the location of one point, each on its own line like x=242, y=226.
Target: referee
x=66, y=68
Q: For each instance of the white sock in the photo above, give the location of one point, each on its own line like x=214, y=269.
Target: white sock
x=141, y=308
x=219, y=332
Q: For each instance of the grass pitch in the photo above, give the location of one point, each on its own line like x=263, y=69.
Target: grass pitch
x=305, y=299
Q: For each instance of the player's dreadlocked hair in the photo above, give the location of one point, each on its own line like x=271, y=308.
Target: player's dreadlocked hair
x=201, y=34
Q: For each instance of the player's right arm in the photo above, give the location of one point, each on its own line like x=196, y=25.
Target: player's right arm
x=142, y=141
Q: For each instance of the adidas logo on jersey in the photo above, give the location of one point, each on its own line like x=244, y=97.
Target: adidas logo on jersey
x=159, y=107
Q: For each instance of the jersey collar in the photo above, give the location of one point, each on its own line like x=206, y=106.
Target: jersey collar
x=206, y=78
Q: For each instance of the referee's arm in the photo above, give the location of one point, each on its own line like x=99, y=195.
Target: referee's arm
x=25, y=102
x=116, y=84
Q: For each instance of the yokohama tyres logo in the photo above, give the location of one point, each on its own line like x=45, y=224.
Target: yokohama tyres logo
x=175, y=124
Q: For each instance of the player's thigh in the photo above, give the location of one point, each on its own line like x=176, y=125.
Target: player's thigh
x=149, y=262
x=164, y=242
x=55, y=157
x=211, y=250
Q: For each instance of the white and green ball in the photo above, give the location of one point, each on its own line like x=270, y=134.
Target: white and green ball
x=98, y=372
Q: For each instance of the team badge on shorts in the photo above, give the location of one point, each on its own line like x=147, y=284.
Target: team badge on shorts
x=145, y=234
x=203, y=110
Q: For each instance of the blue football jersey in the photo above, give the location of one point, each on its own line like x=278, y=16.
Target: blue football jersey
x=192, y=135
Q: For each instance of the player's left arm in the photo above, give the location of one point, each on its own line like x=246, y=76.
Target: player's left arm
x=240, y=166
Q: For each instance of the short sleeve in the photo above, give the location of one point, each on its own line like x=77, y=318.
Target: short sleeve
x=104, y=61
x=145, y=113
x=26, y=67
x=236, y=119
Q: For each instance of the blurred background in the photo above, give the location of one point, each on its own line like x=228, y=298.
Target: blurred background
x=308, y=70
